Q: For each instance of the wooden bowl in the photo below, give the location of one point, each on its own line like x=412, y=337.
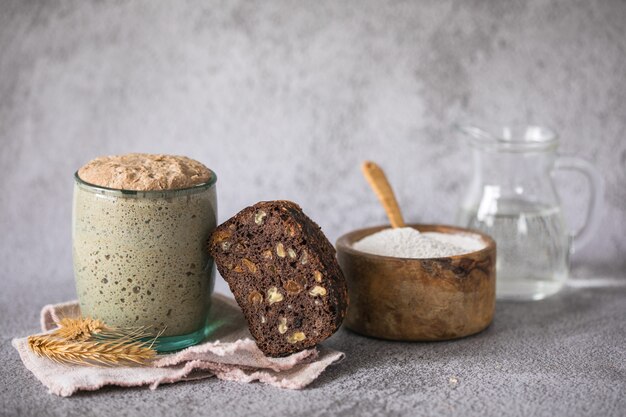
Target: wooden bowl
x=419, y=299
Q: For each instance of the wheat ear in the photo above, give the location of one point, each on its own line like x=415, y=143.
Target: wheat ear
x=116, y=352
x=81, y=328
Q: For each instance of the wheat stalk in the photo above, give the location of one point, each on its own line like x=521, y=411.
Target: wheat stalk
x=81, y=328
x=121, y=351
x=86, y=328
x=87, y=341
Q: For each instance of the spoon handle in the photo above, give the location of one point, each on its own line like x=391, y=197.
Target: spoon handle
x=377, y=179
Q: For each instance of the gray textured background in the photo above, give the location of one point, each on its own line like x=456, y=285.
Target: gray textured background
x=283, y=99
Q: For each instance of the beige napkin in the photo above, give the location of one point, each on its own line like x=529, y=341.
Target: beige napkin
x=230, y=353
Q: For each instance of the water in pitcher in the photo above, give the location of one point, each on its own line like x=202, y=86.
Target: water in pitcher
x=532, y=247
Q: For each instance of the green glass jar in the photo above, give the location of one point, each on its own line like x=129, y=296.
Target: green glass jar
x=140, y=258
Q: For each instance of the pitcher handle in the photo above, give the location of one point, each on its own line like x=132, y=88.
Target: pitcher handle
x=582, y=236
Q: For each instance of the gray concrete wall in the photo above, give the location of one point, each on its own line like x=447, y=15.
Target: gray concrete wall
x=283, y=99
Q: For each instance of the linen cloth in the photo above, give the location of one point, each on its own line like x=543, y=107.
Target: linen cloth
x=229, y=353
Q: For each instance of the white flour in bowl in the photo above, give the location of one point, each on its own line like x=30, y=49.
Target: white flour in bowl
x=406, y=242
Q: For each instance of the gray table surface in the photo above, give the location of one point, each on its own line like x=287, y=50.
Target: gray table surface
x=561, y=356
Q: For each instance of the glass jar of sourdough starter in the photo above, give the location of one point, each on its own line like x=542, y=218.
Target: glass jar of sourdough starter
x=140, y=258
x=512, y=198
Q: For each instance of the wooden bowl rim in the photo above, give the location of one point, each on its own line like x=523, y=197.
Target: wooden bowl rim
x=344, y=243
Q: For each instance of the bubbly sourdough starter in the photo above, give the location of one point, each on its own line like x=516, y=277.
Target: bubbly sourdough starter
x=140, y=258
x=144, y=172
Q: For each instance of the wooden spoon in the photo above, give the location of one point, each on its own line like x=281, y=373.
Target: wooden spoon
x=376, y=178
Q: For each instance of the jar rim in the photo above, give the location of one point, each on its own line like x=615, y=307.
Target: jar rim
x=511, y=137
x=146, y=193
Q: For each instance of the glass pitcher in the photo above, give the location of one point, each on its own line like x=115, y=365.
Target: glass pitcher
x=512, y=198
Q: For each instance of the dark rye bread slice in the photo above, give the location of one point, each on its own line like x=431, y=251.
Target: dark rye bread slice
x=284, y=275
